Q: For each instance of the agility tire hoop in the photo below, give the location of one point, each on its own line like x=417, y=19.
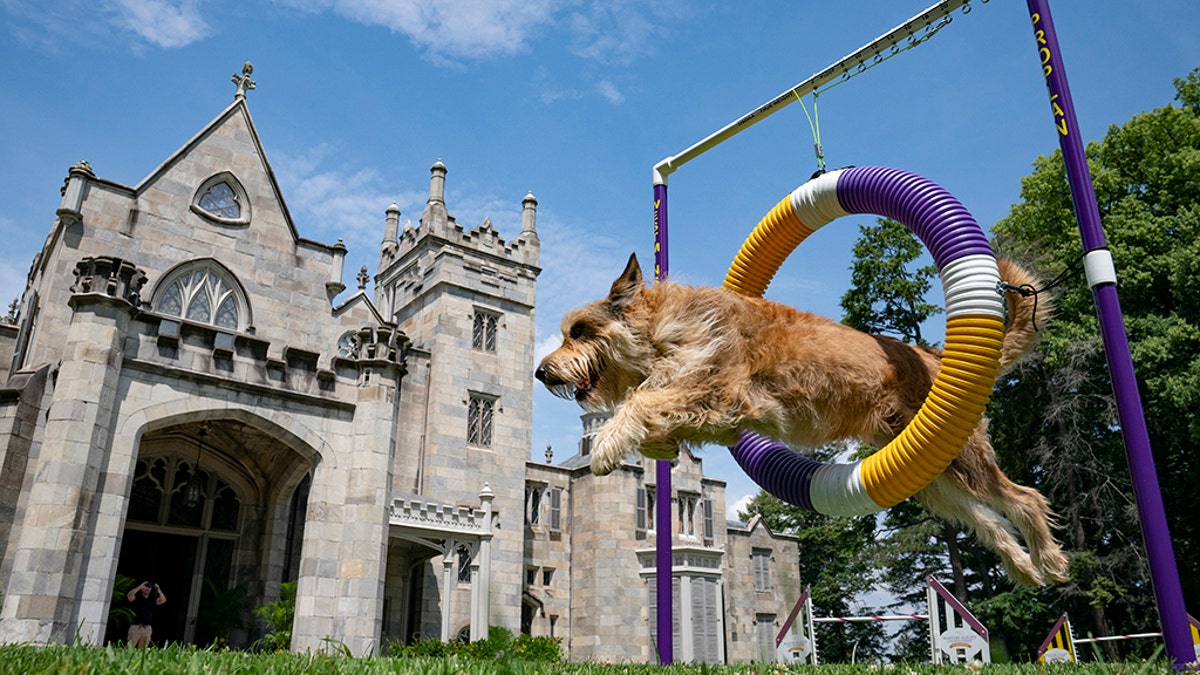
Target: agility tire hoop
x=970, y=359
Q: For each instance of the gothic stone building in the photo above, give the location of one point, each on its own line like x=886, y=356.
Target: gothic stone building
x=191, y=395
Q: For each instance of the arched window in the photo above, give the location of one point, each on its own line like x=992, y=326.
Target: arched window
x=203, y=292
x=159, y=496
x=222, y=199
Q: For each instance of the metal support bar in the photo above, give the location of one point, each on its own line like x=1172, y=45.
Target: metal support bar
x=856, y=59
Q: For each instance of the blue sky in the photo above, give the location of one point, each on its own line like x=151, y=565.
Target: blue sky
x=573, y=100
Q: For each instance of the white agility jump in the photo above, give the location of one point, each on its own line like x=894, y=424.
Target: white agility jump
x=955, y=635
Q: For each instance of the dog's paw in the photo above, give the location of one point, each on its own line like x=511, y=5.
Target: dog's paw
x=602, y=465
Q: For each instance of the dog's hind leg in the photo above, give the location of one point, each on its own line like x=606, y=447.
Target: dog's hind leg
x=949, y=501
x=1029, y=511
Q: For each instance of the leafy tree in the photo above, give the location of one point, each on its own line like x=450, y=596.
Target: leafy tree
x=886, y=296
x=1059, y=410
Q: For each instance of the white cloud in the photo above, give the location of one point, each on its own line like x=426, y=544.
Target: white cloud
x=735, y=505
x=448, y=29
x=163, y=23
x=609, y=91
x=53, y=25
x=328, y=202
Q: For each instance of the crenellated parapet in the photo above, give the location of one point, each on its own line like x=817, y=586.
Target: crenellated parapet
x=437, y=223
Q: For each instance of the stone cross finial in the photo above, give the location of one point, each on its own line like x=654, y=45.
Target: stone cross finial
x=363, y=278
x=243, y=81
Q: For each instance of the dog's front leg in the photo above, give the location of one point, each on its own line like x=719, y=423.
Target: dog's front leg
x=648, y=421
x=620, y=435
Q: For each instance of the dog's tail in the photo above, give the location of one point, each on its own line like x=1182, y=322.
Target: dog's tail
x=1027, y=313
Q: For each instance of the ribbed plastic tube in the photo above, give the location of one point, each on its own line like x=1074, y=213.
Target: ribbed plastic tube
x=970, y=359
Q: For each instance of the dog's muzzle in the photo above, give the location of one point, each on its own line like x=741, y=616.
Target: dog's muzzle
x=562, y=388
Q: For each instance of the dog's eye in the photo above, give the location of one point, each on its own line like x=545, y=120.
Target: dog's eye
x=576, y=331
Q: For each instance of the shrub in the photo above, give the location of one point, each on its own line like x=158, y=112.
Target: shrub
x=278, y=616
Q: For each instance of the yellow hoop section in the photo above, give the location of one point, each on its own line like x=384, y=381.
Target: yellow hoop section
x=955, y=403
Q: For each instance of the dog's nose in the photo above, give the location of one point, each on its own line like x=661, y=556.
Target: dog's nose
x=540, y=373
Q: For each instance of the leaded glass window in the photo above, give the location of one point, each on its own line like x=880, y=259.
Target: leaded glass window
x=220, y=200
x=483, y=331
x=203, y=294
x=159, y=496
x=479, y=420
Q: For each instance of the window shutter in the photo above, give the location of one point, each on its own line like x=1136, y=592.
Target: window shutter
x=641, y=510
x=555, y=509
x=708, y=519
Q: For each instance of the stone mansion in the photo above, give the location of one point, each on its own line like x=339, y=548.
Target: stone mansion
x=191, y=394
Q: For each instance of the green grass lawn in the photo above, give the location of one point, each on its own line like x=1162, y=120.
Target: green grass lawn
x=87, y=660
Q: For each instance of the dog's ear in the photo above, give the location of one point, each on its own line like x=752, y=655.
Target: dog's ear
x=628, y=285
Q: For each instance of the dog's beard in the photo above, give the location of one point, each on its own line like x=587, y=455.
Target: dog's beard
x=578, y=382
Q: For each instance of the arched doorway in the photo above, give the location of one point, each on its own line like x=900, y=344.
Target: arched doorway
x=205, y=509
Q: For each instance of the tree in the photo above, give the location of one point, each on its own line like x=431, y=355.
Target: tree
x=1146, y=174
x=886, y=296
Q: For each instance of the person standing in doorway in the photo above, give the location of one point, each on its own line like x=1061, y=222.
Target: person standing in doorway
x=145, y=599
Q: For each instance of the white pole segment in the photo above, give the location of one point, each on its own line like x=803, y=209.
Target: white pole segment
x=861, y=57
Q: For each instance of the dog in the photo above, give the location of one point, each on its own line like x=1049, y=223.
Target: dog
x=681, y=366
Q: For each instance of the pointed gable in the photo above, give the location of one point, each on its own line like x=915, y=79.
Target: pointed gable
x=226, y=152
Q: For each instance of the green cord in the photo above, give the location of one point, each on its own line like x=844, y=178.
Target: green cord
x=814, y=122
x=815, y=126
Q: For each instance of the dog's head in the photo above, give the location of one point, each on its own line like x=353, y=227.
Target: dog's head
x=602, y=355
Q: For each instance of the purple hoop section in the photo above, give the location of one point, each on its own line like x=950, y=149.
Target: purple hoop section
x=943, y=224
x=946, y=229
x=781, y=472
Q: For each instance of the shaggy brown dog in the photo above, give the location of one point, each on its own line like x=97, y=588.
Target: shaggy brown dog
x=682, y=365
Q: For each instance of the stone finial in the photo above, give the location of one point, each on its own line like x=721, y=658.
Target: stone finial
x=363, y=278
x=243, y=81
x=549, y=454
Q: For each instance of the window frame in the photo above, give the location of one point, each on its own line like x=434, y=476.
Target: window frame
x=230, y=289
x=485, y=330
x=481, y=419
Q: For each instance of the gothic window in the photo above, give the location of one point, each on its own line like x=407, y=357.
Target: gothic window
x=533, y=503
x=219, y=200
x=483, y=331
x=222, y=199
x=645, y=509
x=203, y=292
x=687, y=514
x=480, y=409
x=160, y=496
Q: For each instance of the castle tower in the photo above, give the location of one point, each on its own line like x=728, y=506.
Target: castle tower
x=466, y=299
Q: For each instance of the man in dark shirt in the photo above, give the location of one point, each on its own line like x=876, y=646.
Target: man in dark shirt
x=145, y=599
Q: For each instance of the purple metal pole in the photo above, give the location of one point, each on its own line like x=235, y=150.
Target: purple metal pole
x=662, y=489
x=1164, y=574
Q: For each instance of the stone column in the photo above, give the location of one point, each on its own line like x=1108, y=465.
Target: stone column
x=448, y=583
x=50, y=596
x=344, y=563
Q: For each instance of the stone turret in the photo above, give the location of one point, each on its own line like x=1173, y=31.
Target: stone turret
x=435, y=207
x=391, y=231
x=529, y=217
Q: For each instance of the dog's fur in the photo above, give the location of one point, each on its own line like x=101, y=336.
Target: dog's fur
x=682, y=365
